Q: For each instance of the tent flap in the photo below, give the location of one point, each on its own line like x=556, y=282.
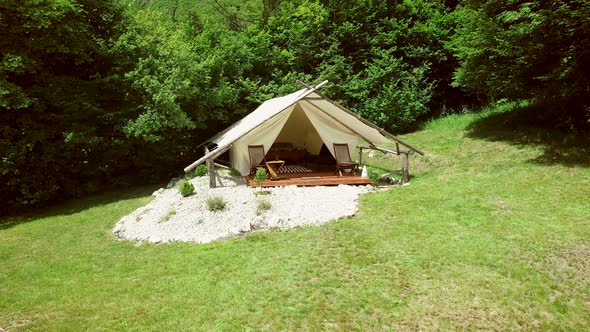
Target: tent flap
x=265, y=134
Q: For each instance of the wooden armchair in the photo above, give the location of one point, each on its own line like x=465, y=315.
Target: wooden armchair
x=257, y=157
x=343, y=161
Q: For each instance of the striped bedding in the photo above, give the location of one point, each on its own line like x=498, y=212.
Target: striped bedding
x=290, y=169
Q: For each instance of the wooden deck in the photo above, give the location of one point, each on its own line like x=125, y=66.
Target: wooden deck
x=310, y=179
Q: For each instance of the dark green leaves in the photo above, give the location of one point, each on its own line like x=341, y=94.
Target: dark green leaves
x=526, y=50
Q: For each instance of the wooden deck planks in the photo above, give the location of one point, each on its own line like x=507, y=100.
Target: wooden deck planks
x=311, y=179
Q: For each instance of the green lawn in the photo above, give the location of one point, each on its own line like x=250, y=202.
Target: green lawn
x=492, y=233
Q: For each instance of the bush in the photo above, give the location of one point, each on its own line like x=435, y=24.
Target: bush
x=260, y=175
x=186, y=189
x=216, y=203
x=263, y=205
x=201, y=170
x=374, y=173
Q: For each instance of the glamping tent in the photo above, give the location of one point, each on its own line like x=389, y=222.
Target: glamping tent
x=303, y=118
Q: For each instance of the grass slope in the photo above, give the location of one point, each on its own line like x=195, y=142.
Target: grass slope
x=493, y=233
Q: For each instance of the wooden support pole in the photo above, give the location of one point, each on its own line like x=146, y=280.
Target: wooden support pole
x=405, y=168
x=360, y=155
x=405, y=155
x=210, y=170
x=210, y=155
x=221, y=166
x=384, y=150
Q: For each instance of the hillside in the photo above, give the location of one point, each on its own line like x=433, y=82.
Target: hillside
x=98, y=95
x=492, y=233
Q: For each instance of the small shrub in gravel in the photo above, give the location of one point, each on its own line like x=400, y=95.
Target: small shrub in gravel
x=186, y=189
x=263, y=205
x=201, y=170
x=216, y=203
x=167, y=216
x=260, y=175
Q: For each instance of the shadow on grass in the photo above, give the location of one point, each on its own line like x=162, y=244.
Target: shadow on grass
x=78, y=205
x=530, y=125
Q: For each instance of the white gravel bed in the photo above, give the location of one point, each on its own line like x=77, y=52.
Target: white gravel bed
x=171, y=217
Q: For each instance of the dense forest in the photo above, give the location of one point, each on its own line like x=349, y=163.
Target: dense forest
x=102, y=93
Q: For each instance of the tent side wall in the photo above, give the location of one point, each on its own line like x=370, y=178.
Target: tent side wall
x=329, y=130
x=333, y=114
x=265, y=134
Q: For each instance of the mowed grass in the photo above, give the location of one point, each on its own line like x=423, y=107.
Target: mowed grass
x=493, y=233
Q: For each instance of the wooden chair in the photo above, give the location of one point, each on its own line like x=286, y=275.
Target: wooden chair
x=257, y=157
x=343, y=161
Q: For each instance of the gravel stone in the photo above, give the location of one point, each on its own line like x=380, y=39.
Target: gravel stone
x=171, y=217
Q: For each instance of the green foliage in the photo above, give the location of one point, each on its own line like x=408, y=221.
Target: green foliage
x=184, y=80
x=397, y=98
x=163, y=67
x=374, y=173
x=263, y=206
x=218, y=12
x=55, y=105
x=403, y=72
x=260, y=175
x=387, y=62
x=186, y=188
x=216, y=203
x=201, y=170
x=527, y=50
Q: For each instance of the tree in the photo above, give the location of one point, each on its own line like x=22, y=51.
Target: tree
x=534, y=50
x=185, y=80
x=386, y=60
x=53, y=61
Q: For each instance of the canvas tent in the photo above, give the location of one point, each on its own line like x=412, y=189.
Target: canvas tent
x=304, y=118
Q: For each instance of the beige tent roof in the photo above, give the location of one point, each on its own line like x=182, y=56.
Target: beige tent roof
x=283, y=116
